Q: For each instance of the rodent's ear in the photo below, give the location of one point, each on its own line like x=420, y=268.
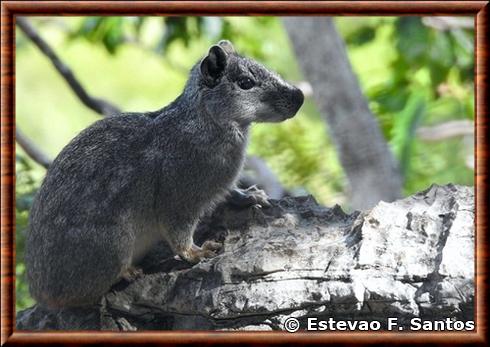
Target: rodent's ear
x=213, y=65
x=227, y=46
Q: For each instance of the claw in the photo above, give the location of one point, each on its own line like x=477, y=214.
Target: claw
x=249, y=197
x=195, y=254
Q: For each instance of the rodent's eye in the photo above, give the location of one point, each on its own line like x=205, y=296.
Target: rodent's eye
x=246, y=83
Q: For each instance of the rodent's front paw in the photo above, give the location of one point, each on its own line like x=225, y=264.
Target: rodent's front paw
x=259, y=196
x=195, y=254
x=251, y=196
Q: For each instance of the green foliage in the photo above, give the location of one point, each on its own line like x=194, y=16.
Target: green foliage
x=422, y=76
x=300, y=153
x=360, y=37
x=107, y=31
x=113, y=32
x=403, y=130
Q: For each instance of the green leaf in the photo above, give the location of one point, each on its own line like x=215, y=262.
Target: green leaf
x=413, y=40
x=405, y=124
x=361, y=36
x=107, y=31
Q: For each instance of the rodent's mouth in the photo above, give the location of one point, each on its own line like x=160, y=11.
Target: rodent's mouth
x=280, y=105
x=290, y=111
x=282, y=109
x=277, y=118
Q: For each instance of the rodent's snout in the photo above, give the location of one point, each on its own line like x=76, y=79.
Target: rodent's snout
x=280, y=103
x=296, y=98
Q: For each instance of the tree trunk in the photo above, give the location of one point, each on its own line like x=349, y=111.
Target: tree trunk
x=410, y=258
x=369, y=165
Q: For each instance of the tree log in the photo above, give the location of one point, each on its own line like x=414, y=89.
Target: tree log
x=410, y=258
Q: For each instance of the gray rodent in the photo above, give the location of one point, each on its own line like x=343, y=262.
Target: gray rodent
x=131, y=180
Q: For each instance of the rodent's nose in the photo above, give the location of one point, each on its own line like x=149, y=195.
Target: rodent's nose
x=298, y=97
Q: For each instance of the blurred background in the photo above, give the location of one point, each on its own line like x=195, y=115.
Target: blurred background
x=389, y=105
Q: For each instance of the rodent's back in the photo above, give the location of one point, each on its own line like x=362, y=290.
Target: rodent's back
x=75, y=240
x=97, y=169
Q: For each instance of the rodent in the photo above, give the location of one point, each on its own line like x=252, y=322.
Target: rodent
x=129, y=181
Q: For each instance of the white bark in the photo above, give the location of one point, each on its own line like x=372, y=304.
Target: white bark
x=410, y=258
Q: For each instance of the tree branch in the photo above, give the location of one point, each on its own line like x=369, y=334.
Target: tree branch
x=446, y=130
x=100, y=106
x=448, y=23
x=31, y=149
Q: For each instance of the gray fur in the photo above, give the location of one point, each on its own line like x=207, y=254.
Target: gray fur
x=129, y=181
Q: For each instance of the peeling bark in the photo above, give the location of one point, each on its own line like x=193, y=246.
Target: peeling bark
x=410, y=258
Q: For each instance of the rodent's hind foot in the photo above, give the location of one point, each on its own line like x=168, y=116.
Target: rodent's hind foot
x=131, y=274
x=195, y=254
x=251, y=196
